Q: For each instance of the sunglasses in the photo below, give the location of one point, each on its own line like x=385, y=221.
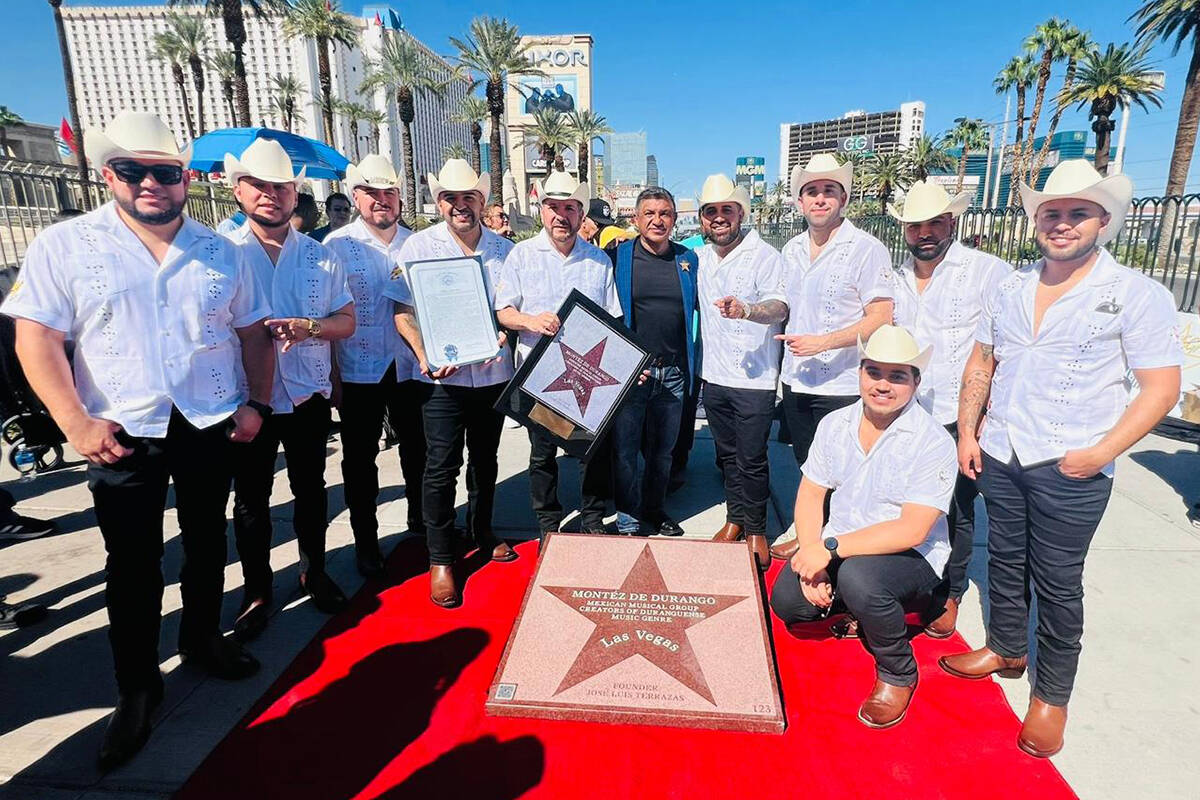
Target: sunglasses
x=133, y=172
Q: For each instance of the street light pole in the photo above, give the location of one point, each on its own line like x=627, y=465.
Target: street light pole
x=1000, y=161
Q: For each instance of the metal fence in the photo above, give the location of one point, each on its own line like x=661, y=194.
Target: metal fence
x=1160, y=237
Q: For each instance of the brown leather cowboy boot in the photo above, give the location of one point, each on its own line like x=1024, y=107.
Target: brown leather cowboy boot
x=1042, y=732
x=978, y=664
x=886, y=705
x=729, y=533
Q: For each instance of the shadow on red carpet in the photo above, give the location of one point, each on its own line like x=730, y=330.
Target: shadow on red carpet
x=393, y=707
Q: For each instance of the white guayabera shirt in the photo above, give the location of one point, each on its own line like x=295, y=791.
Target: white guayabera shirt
x=438, y=242
x=147, y=336
x=914, y=461
x=307, y=282
x=370, y=266
x=945, y=315
x=830, y=294
x=1066, y=387
x=537, y=278
x=739, y=353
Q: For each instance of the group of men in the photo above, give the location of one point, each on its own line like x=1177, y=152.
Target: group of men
x=198, y=355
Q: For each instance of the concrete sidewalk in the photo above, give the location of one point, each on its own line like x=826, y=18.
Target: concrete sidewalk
x=1133, y=716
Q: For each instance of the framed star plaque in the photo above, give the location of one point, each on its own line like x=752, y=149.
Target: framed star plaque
x=641, y=631
x=572, y=384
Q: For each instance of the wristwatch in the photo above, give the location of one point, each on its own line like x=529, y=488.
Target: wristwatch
x=314, y=328
x=831, y=545
x=263, y=409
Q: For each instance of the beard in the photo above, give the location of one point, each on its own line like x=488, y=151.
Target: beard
x=724, y=239
x=388, y=221
x=156, y=218
x=268, y=222
x=924, y=251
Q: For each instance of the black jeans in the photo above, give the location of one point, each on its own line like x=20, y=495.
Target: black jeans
x=303, y=434
x=961, y=522
x=740, y=422
x=803, y=412
x=129, y=497
x=876, y=590
x=651, y=412
x=363, y=406
x=454, y=414
x=1040, y=525
x=595, y=480
x=7, y=501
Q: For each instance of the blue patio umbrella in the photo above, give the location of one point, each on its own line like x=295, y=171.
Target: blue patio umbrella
x=322, y=161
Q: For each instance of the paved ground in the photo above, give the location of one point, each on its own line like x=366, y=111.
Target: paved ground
x=1133, y=718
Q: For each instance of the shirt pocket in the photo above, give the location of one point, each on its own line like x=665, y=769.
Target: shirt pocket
x=98, y=283
x=1097, y=332
x=215, y=376
x=311, y=292
x=314, y=364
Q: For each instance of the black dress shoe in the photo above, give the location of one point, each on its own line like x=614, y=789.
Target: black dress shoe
x=128, y=727
x=221, y=657
x=667, y=527
x=370, y=565
x=252, y=620
x=325, y=594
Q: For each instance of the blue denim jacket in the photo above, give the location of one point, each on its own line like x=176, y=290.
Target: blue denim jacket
x=686, y=262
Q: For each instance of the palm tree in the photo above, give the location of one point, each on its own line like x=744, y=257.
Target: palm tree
x=234, y=21
x=968, y=134
x=552, y=133
x=1178, y=19
x=403, y=68
x=375, y=118
x=585, y=126
x=167, y=47
x=325, y=24
x=492, y=51
x=775, y=199
x=455, y=150
x=1076, y=45
x=191, y=34
x=926, y=155
x=472, y=111
x=858, y=164
x=1046, y=39
x=1118, y=77
x=285, y=91
x=1017, y=75
x=222, y=64
x=7, y=118
x=72, y=103
x=353, y=113
x=883, y=174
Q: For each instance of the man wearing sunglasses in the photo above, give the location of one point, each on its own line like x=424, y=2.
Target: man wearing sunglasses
x=165, y=316
x=312, y=308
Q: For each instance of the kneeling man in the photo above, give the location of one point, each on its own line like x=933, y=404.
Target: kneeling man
x=891, y=469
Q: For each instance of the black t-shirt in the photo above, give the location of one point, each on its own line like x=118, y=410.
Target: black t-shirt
x=657, y=302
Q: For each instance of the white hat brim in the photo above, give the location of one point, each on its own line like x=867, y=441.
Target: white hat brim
x=235, y=169
x=355, y=179
x=1113, y=194
x=100, y=150
x=482, y=186
x=581, y=194
x=918, y=362
x=738, y=195
x=957, y=205
x=843, y=176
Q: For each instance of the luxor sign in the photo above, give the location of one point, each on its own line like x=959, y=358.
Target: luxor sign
x=557, y=57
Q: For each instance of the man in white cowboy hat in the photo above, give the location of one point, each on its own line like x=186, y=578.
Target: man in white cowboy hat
x=742, y=287
x=377, y=367
x=1054, y=345
x=839, y=288
x=165, y=316
x=538, y=275
x=312, y=308
x=891, y=470
x=940, y=289
x=457, y=403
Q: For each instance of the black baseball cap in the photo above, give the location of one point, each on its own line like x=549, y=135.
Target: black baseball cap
x=600, y=212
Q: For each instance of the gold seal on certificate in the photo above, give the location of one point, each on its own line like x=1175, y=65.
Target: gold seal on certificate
x=454, y=311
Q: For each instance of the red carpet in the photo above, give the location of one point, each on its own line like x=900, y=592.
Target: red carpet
x=388, y=702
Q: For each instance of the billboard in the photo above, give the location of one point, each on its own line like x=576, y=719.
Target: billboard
x=863, y=143
x=535, y=163
x=552, y=92
x=751, y=173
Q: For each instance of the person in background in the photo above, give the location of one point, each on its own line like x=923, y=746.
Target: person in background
x=599, y=216
x=337, y=211
x=496, y=219
x=305, y=215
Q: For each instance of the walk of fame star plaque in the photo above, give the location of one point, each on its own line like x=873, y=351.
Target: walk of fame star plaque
x=572, y=384
x=645, y=631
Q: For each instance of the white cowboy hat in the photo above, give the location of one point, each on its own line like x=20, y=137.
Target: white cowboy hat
x=457, y=176
x=891, y=344
x=926, y=201
x=134, y=134
x=264, y=159
x=821, y=166
x=562, y=186
x=373, y=172
x=719, y=189
x=1077, y=178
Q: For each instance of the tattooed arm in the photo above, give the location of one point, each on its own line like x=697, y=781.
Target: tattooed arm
x=767, y=312
x=972, y=400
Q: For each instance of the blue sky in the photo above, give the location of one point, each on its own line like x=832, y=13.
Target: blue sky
x=710, y=81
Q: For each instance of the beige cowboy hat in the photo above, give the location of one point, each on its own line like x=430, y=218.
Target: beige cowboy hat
x=264, y=159
x=563, y=186
x=1078, y=179
x=373, y=172
x=457, y=176
x=719, y=189
x=926, y=201
x=821, y=166
x=134, y=134
x=891, y=344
